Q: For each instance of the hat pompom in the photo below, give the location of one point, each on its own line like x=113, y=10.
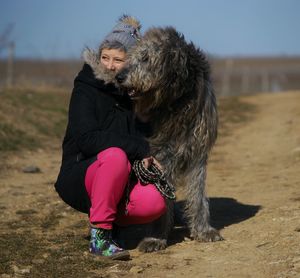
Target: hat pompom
x=130, y=20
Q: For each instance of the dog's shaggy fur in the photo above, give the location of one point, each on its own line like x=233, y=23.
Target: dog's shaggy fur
x=169, y=79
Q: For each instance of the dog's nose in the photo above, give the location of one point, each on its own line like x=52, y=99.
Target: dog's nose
x=121, y=76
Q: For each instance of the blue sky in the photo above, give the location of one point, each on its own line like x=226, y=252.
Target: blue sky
x=61, y=28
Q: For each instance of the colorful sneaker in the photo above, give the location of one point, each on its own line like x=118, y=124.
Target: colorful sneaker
x=101, y=244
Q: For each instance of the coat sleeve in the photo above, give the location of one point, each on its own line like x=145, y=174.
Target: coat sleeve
x=90, y=139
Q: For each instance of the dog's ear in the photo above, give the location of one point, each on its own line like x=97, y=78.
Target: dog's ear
x=176, y=69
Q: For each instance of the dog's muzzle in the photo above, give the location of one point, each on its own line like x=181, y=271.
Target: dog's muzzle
x=121, y=78
x=121, y=75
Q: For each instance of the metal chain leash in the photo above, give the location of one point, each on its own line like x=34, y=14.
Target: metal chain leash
x=154, y=176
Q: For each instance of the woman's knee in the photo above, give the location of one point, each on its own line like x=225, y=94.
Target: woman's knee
x=154, y=201
x=113, y=155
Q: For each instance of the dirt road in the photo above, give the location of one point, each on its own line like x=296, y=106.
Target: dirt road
x=254, y=189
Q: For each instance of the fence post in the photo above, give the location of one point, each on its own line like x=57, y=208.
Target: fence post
x=265, y=81
x=10, y=64
x=245, y=80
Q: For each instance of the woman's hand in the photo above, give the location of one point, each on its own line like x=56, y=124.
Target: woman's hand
x=147, y=161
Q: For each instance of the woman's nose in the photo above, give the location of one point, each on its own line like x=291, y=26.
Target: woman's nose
x=111, y=65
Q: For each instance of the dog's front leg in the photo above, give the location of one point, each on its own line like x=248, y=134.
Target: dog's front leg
x=157, y=235
x=197, y=207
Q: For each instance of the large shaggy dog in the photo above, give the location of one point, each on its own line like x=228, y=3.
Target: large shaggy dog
x=169, y=79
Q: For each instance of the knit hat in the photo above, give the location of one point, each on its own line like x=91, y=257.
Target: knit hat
x=127, y=31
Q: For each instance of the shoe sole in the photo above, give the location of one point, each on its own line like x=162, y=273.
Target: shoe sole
x=122, y=256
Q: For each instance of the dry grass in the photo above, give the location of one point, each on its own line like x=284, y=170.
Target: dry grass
x=30, y=119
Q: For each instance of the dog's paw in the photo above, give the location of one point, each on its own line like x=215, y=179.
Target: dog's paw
x=208, y=236
x=151, y=244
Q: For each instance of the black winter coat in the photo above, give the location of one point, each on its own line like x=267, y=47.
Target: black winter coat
x=100, y=117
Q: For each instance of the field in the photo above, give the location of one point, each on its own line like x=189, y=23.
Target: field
x=253, y=186
x=231, y=76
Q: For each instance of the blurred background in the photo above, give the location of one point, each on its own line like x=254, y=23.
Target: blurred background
x=253, y=45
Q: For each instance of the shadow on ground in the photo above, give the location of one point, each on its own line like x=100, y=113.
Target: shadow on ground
x=228, y=211
x=224, y=212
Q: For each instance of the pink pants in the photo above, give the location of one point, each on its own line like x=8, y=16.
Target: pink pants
x=106, y=181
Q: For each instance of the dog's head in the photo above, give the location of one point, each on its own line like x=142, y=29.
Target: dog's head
x=170, y=79
x=162, y=68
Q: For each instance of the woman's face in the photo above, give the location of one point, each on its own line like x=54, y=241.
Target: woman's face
x=113, y=59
